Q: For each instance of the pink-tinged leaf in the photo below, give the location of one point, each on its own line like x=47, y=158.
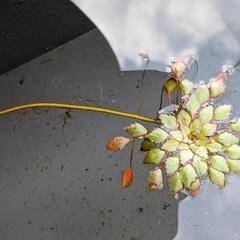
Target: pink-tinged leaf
x=118, y=143
x=127, y=177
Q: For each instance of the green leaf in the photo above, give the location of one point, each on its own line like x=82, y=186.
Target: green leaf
x=188, y=175
x=222, y=112
x=201, y=151
x=170, y=85
x=183, y=146
x=235, y=126
x=155, y=179
x=206, y=114
x=200, y=166
x=177, y=134
x=208, y=129
x=172, y=165
x=136, y=130
x=175, y=183
x=216, y=88
x=185, y=156
x=154, y=156
x=170, y=145
x=217, y=177
x=202, y=93
x=184, y=118
x=192, y=104
x=234, y=165
x=195, y=126
x=169, y=121
x=186, y=86
x=227, y=139
x=219, y=163
x=214, y=147
x=234, y=151
x=193, y=190
x=157, y=135
x=147, y=145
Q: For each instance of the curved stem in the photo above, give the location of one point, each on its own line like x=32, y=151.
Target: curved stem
x=78, y=107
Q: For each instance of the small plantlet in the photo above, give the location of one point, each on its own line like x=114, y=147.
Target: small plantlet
x=194, y=139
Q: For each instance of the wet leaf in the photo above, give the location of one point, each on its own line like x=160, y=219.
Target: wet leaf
x=185, y=156
x=186, y=86
x=170, y=145
x=169, y=121
x=234, y=165
x=127, y=177
x=214, y=147
x=200, y=166
x=192, y=105
x=184, y=118
x=136, y=130
x=234, y=151
x=188, y=175
x=155, y=179
x=175, y=183
x=227, y=139
x=216, y=177
x=154, y=156
x=222, y=112
x=217, y=88
x=172, y=165
x=117, y=143
x=157, y=135
x=202, y=93
x=236, y=126
x=208, y=129
x=147, y=145
x=206, y=114
x=219, y=163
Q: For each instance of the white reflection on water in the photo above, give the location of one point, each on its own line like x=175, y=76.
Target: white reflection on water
x=208, y=28
x=167, y=28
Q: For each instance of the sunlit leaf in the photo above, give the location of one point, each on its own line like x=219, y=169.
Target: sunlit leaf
x=184, y=118
x=157, y=135
x=216, y=177
x=154, y=156
x=216, y=88
x=219, y=163
x=117, y=143
x=186, y=86
x=214, y=147
x=234, y=165
x=227, y=139
x=188, y=175
x=127, y=177
x=172, y=165
x=170, y=145
x=136, y=130
x=175, y=183
x=183, y=146
x=222, y=112
x=192, y=104
x=200, y=166
x=185, y=156
x=206, y=114
x=169, y=121
x=147, y=145
x=155, y=179
x=202, y=93
x=177, y=134
x=208, y=129
x=234, y=151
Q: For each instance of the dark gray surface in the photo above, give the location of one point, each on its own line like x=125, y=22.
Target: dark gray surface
x=29, y=28
x=62, y=185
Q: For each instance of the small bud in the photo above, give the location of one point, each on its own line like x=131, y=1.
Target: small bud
x=127, y=177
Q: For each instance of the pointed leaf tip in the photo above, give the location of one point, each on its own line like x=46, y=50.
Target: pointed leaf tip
x=154, y=156
x=136, y=130
x=127, y=177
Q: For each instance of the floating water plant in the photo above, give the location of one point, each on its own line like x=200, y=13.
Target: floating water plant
x=194, y=138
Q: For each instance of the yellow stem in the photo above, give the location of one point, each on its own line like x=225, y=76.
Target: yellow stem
x=78, y=107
